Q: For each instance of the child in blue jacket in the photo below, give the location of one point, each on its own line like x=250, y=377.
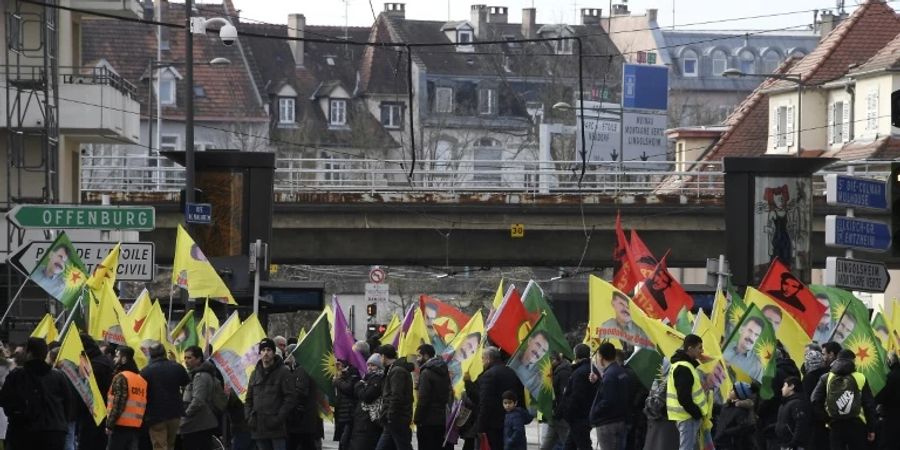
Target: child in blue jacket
x=514, y=425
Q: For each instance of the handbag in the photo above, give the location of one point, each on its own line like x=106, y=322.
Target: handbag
x=374, y=409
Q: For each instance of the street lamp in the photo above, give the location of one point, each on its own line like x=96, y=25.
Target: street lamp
x=793, y=78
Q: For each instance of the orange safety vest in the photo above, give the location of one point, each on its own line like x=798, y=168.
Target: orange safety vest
x=136, y=405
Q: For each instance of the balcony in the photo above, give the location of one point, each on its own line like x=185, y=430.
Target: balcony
x=122, y=8
x=95, y=104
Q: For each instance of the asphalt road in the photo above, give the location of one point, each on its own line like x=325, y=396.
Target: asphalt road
x=531, y=432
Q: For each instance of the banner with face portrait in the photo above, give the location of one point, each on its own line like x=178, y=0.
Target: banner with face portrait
x=60, y=272
x=462, y=353
x=609, y=318
x=750, y=350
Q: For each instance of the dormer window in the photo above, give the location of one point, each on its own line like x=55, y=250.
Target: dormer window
x=286, y=110
x=337, y=112
x=166, y=90
x=464, y=38
x=564, y=47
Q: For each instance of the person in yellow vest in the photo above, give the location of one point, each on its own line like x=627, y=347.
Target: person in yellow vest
x=126, y=402
x=686, y=401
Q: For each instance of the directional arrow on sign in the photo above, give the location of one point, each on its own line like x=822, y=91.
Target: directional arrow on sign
x=856, y=274
x=136, y=260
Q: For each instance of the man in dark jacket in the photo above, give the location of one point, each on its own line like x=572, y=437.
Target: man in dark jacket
x=199, y=421
x=434, y=396
x=557, y=427
x=578, y=397
x=610, y=410
x=36, y=424
x=888, y=401
x=271, y=399
x=496, y=379
x=165, y=378
x=793, y=425
x=815, y=365
x=305, y=431
x=345, y=402
x=398, y=402
x=90, y=435
x=846, y=432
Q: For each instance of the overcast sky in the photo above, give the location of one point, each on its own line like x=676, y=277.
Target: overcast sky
x=359, y=13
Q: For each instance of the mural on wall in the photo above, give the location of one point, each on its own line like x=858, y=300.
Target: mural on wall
x=782, y=224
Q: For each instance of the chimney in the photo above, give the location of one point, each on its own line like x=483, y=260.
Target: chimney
x=397, y=10
x=529, y=21
x=620, y=9
x=590, y=16
x=829, y=22
x=651, y=15
x=296, y=26
x=479, y=19
x=498, y=14
x=148, y=11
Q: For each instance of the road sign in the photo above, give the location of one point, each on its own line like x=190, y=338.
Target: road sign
x=842, y=190
x=644, y=135
x=141, y=218
x=645, y=86
x=377, y=293
x=856, y=274
x=198, y=213
x=136, y=259
x=856, y=233
x=377, y=275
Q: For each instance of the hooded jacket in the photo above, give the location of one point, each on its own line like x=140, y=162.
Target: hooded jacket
x=492, y=383
x=271, y=398
x=165, y=378
x=345, y=399
x=398, y=394
x=684, y=384
x=561, y=374
x=57, y=398
x=612, y=401
x=514, y=429
x=793, y=425
x=842, y=366
x=198, y=394
x=578, y=394
x=434, y=393
x=364, y=434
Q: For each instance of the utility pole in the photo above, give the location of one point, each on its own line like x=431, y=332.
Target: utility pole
x=188, y=108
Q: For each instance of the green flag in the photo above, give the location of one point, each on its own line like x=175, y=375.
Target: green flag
x=646, y=364
x=531, y=362
x=882, y=330
x=184, y=334
x=60, y=271
x=315, y=353
x=535, y=303
x=854, y=332
x=735, y=310
x=683, y=322
x=750, y=350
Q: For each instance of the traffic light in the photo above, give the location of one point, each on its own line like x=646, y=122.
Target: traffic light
x=381, y=329
x=371, y=309
x=894, y=184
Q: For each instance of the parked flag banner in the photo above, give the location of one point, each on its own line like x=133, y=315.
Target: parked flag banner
x=343, y=340
x=461, y=352
x=237, y=358
x=316, y=354
x=531, y=363
x=46, y=329
x=75, y=364
x=192, y=271
x=661, y=296
x=789, y=292
x=536, y=305
x=609, y=317
x=750, y=350
x=787, y=330
x=60, y=272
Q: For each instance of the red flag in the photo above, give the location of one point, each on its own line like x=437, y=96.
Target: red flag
x=503, y=327
x=445, y=319
x=662, y=296
x=626, y=275
x=789, y=292
x=640, y=254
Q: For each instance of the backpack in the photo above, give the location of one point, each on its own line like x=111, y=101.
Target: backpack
x=843, y=397
x=655, y=405
x=218, y=397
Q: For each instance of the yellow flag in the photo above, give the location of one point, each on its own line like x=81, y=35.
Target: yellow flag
x=498, y=296
x=106, y=271
x=231, y=325
x=301, y=334
x=138, y=311
x=787, y=329
x=719, y=316
x=193, y=272
x=46, y=329
x=666, y=338
x=207, y=327
x=416, y=335
x=329, y=314
x=237, y=358
x=713, y=364
x=391, y=330
x=155, y=330
x=75, y=364
x=610, y=317
x=462, y=350
x=106, y=314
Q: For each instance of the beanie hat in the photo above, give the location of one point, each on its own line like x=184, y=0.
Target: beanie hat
x=267, y=343
x=742, y=390
x=376, y=360
x=813, y=360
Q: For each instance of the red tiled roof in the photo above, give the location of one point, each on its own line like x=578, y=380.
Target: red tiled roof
x=871, y=26
x=886, y=58
x=886, y=148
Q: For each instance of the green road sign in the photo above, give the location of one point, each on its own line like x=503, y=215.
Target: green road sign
x=142, y=218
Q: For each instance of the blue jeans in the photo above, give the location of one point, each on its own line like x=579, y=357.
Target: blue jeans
x=70, y=436
x=611, y=436
x=241, y=441
x=688, y=434
x=395, y=437
x=271, y=444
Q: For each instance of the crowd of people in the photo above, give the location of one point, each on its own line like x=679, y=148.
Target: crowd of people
x=599, y=402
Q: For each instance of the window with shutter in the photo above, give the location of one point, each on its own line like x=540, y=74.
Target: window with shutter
x=830, y=127
x=777, y=131
x=845, y=128
x=872, y=111
x=789, y=126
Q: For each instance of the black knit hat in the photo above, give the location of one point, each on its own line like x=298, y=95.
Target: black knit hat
x=267, y=343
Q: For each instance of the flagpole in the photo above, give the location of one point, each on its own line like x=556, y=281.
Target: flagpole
x=169, y=316
x=72, y=314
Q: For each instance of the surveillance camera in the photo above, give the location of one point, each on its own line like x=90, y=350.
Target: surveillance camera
x=228, y=34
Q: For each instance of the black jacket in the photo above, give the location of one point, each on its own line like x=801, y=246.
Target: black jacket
x=684, y=384
x=768, y=409
x=493, y=382
x=811, y=379
x=398, y=394
x=165, y=378
x=844, y=367
x=36, y=380
x=345, y=399
x=561, y=374
x=271, y=399
x=198, y=395
x=305, y=418
x=793, y=425
x=365, y=433
x=612, y=401
x=434, y=393
x=579, y=393
x=735, y=423
x=888, y=399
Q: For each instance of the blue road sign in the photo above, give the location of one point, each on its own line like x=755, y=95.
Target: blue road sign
x=645, y=87
x=850, y=232
x=842, y=190
x=198, y=213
